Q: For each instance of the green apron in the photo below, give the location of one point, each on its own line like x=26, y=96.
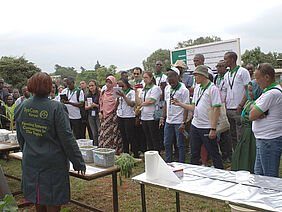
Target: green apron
x=47, y=142
x=243, y=158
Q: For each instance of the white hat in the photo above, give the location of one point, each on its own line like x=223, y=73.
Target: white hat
x=174, y=69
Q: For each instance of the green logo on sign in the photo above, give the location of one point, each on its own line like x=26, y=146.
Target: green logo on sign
x=43, y=114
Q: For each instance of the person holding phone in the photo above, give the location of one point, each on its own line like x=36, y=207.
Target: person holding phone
x=176, y=116
x=147, y=98
x=126, y=116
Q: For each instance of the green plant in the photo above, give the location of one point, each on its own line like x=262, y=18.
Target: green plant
x=9, y=114
x=125, y=163
x=8, y=204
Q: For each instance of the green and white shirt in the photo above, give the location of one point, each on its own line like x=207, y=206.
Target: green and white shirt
x=74, y=112
x=271, y=126
x=124, y=110
x=235, y=82
x=202, y=103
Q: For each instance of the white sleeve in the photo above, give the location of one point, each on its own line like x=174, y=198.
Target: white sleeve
x=186, y=96
x=194, y=99
x=132, y=96
x=265, y=101
x=246, y=77
x=156, y=93
x=81, y=96
x=215, y=96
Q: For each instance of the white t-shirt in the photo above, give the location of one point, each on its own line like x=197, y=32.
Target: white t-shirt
x=124, y=110
x=235, y=94
x=160, y=79
x=154, y=93
x=222, y=89
x=174, y=113
x=74, y=112
x=201, y=118
x=271, y=126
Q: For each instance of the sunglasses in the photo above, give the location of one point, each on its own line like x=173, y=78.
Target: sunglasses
x=136, y=73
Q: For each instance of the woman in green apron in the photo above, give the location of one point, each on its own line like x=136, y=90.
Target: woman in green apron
x=243, y=158
x=47, y=143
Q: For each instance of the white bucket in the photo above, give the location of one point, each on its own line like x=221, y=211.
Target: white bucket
x=13, y=138
x=87, y=153
x=235, y=208
x=84, y=142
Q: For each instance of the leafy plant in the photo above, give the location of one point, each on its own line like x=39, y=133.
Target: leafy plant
x=125, y=163
x=9, y=114
x=8, y=204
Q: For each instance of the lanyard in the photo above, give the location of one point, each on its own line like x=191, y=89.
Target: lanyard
x=219, y=82
x=236, y=70
x=160, y=79
x=71, y=94
x=202, y=93
x=173, y=91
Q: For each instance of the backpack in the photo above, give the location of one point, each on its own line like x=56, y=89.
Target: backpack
x=83, y=112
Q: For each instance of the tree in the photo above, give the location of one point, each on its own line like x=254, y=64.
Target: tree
x=17, y=70
x=99, y=74
x=256, y=56
x=159, y=55
x=97, y=65
x=198, y=41
x=65, y=71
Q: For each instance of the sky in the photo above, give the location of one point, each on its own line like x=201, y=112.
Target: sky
x=125, y=32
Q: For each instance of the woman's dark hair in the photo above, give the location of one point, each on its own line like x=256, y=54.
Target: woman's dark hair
x=40, y=84
x=150, y=74
x=125, y=81
x=89, y=94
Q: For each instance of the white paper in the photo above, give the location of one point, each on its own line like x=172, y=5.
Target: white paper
x=156, y=168
x=93, y=113
x=115, y=91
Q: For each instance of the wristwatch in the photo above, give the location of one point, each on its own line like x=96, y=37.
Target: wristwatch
x=213, y=129
x=184, y=122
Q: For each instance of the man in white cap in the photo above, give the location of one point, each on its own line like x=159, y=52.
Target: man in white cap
x=175, y=115
x=203, y=130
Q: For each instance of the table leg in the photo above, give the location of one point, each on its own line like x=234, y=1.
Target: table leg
x=177, y=202
x=143, y=197
x=115, y=191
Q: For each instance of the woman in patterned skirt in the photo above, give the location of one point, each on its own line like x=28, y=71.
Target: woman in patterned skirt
x=109, y=134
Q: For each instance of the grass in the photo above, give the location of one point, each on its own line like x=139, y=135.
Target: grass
x=98, y=193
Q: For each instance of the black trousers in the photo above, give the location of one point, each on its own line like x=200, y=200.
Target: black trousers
x=152, y=134
x=126, y=127
x=140, y=136
x=78, y=128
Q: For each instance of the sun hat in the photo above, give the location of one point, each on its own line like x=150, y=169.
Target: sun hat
x=180, y=63
x=203, y=70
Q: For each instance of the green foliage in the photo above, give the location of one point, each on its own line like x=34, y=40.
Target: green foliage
x=159, y=55
x=198, y=41
x=125, y=163
x=8, y=204
x=17, y=70
x=102, y=73
x=65, y=71
x=9, y=114
x=256, y=56
x=65, y=210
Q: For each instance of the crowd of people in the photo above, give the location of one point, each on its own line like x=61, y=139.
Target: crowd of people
x=151, y=110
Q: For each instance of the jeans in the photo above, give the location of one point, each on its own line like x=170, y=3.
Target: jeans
x=235, y=127
x=126, y=127
x=94, y=124
x=197, y=138
x=268, y=156
x=152, y=134
x=171, y=131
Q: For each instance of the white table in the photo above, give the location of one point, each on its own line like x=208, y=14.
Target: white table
x=259, y=193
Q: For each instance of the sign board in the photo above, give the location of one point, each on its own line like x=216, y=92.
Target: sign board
x=213, y=52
